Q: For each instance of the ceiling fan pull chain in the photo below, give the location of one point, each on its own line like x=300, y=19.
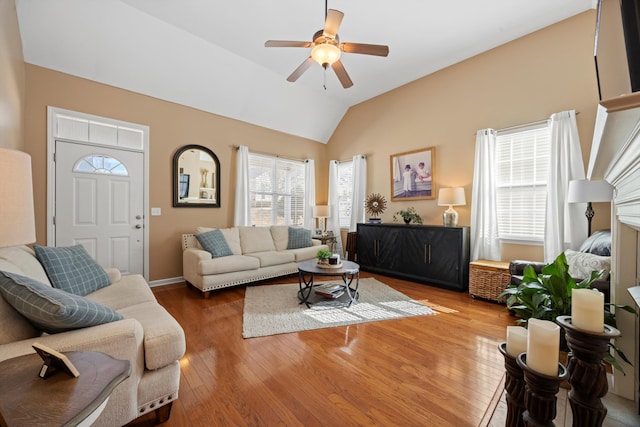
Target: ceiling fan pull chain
x=324, y=78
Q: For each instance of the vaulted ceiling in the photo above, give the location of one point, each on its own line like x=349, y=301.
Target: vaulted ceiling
x=210, y=54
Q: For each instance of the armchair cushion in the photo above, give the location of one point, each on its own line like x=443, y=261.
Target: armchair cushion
x=581, y=264
x=599, y=243
x=214, y=242
x=72, y=269
x=52, y=310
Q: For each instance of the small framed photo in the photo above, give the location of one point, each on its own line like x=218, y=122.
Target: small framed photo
x=413, y=175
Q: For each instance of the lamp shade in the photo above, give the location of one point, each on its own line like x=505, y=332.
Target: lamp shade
x=583, y=190
x=451, y=197
x=17, y=221
x=321, y=211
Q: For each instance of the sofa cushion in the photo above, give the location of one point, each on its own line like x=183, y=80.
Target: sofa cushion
x=256, y=239
x=280, y=235
x=269, y=258
x=72, y=269
x=22, y=260
x=231, y=236
x=52, y=310
x=304, y=254
x=130, y=290
x=299, y=238
x=214, y=242
x=581, y=264
x=228, y=264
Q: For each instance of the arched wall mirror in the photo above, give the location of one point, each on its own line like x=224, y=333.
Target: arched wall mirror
x=196, y=178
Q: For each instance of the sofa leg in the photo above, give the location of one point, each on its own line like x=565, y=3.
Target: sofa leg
x=206, y=294
x=163, y=413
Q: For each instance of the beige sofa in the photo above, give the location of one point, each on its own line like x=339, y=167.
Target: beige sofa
x=148, y=337
x=259, y=253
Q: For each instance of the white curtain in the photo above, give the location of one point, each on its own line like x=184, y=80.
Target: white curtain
x=359, y=191
x=242, y=212
x=565, y=226
x=485, y=243
x=333, y=222
x=309, y=194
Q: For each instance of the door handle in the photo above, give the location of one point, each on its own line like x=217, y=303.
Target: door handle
x=138, y=226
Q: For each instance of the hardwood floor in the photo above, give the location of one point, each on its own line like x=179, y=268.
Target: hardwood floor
x=440, y=370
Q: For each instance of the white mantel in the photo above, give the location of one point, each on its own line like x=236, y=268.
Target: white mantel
x=615, y=157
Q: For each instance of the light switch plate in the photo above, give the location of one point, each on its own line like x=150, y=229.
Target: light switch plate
x=156, y=212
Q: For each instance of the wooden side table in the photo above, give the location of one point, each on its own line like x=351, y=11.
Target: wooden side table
x=60, y=400
x=326, y=240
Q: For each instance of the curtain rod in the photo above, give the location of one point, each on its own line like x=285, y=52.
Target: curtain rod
x=364, y=156
x=524, y=125
x=237, y=147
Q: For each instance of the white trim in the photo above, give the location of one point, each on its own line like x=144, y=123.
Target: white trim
x=167, y=281
x=52, y=113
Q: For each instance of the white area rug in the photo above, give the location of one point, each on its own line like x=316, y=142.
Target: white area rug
x=275, y=309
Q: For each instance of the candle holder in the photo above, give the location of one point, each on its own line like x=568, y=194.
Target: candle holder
x=587, y=372
x=514, y=386
x=540, y=394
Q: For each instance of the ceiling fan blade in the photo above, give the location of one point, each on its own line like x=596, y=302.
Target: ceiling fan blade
x=286, y=43
x=301, y=69
x=365, y=49
x=332, y=23
x=342, y=74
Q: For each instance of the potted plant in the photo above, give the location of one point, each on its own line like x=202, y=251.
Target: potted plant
x=409, y=215
x=548, y=295
x=323, y=256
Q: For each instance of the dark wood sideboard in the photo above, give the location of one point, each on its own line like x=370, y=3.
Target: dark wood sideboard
x=429, y=254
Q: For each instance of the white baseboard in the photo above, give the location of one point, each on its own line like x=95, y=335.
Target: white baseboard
x=169, y=281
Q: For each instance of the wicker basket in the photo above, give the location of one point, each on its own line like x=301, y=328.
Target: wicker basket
x=487, y=279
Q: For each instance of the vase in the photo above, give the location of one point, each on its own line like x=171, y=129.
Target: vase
x=407, y=220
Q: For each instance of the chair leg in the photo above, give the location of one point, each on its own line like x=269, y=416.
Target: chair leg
x=163, y=413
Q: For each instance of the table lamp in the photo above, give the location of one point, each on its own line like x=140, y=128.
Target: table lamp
x=17, y=220
x=583, y=190
x=322, y=213
x=451, y=197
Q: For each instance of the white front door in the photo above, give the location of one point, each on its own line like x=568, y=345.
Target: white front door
x=99, y=203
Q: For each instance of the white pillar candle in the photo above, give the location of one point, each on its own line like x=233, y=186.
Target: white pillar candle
x=587, y=309
x=516, y=340
x=543, y=346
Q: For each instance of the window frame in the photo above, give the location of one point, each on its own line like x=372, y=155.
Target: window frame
x=345, y=195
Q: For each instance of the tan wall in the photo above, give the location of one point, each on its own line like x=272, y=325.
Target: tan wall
x=526, y=80
x=12, y=79
x=171, y=126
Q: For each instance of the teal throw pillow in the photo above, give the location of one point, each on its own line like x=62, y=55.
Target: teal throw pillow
x=299, y=238
x=214, y=242
x=52, y=310
x=72, y=269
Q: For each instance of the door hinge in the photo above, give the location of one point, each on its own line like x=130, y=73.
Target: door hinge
x=54, y=220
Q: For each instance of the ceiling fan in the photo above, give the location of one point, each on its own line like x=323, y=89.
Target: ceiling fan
x=326, y=48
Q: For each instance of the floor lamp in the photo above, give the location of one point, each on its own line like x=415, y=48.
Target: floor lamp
x=583, y=190
x=17, y=221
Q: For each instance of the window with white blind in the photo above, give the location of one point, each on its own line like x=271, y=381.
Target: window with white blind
x=522, y=168
x=345, y=192
x=276, y=190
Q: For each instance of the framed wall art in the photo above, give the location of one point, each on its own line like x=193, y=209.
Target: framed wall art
x=413, y=175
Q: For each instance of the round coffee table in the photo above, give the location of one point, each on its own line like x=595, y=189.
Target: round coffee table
x=347, y=271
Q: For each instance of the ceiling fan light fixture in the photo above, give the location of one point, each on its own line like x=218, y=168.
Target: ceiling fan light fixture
x=325, y=53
